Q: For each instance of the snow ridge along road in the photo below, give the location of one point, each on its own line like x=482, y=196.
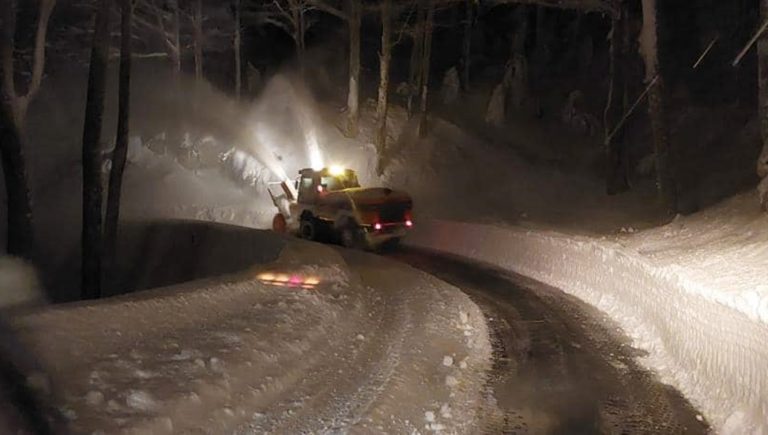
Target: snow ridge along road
x=362, y=352
x=714, y=354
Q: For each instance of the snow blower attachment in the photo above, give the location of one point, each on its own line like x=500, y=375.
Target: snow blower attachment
x=329, y=205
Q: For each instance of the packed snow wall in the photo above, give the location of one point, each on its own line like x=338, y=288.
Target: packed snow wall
x=713, y=353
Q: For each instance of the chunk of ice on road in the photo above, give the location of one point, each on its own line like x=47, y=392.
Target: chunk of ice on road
x=447, y=360
x=464, y=317
x=143, y=374
x=140, y=400
x=451, y=381
x=445, y=411
x=217, y=366
x=429, y=416
x=184, y=355
x=436, y=427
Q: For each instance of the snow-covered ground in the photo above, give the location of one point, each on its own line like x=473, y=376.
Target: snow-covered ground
x=692, y=293
x=235, y=354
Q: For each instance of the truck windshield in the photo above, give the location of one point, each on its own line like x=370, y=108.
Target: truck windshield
x=339, y=183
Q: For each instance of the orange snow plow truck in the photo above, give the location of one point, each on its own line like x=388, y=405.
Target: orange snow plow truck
x=329, y=205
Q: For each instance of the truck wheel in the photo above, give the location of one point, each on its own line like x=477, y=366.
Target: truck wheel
x=308, y=229
x=279, y=225
x=352, y=237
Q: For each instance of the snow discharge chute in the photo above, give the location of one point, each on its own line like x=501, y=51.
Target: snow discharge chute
x=284, y=124
x=313, y=150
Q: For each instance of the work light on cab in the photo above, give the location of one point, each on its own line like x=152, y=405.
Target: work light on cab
x=337, y=171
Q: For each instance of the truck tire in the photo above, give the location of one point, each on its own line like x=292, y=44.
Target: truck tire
x=308, y=229
x=353, y=237
x=279, y=224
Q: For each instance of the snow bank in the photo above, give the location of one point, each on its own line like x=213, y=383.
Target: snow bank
x=358, y=352
x=157, y=186
x=693, y=294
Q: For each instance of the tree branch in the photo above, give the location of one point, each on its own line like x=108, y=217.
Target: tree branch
x=277, y=23
x=404, y=29
x=283, y=12
x=158, y=26
x=751, y=42
x=38, y=65
x=324, y=6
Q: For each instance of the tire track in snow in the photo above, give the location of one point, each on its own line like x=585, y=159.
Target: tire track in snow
x=560, y=366
x=337, y=406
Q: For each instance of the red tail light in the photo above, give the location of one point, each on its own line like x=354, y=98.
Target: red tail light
x=377, y=226
x=409, y=223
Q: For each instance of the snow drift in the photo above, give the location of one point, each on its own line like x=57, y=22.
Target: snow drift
x=692, y=293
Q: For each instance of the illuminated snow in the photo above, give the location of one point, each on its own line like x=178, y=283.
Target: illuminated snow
x=234, y=355
x=693, y=293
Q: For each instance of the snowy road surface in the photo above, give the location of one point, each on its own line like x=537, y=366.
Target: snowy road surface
x=375, y=347
x=669, y=302
x=559, y=365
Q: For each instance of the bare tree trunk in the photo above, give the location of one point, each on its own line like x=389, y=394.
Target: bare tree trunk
x=353, y=97
x=383, y=104
x=762, y=83
x=176, y=51
x=20, y=232
x=197, y=34
x=238, y=58
x=415, y=73
x=520, y=33
x=92, y=188
x=121, y=144
x=665, y=176
x=425, y=64
x=298, y=36
x=616, y=170
x=13, y=111
x=541, y=51
x=467, y=43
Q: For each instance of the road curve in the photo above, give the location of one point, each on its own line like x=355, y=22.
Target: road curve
x=560, y=366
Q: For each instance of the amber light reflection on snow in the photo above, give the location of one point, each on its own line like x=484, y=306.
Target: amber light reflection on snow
x=289, y=280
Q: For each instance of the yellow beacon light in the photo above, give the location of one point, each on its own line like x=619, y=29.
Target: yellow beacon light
x=336, y=170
